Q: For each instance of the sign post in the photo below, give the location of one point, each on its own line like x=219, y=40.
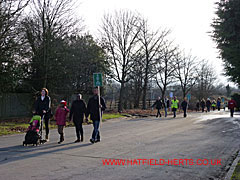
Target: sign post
x=97, y=82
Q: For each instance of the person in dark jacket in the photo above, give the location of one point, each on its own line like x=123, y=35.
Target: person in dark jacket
x=158, y=104
x=77, y=111
x=203, y=104
x=42, y=108
x=197, y=106
x=219, y=104
x=93, y=109
x=184, y=106
x=166, y=105
x=208, y=104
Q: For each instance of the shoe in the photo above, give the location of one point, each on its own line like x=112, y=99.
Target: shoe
x=81, y=139
x=59, y=142
x=46, y=138
x=92, y=141
x=98, y=140
x=78, y=140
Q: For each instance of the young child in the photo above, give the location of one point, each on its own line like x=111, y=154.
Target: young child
x=35, y=123
x=60, y=118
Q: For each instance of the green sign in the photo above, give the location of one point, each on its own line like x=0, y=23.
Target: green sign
x=97, y=79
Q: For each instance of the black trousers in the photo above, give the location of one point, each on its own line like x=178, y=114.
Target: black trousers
x=174, y=112
x=184, y=112
x=46, y=122
x=231, y=111
x=79, y=129
x=158, y=113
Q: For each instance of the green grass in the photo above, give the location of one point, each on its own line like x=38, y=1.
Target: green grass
x=7, y=128
x=15, y=127
x=112, y=116
x=236, y=173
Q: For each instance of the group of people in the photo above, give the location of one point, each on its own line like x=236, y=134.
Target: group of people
x=209, y=104
x=165, y=103
x=96, y=105
x=174, y=103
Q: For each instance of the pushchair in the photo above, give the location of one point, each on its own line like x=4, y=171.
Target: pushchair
x=34, y=131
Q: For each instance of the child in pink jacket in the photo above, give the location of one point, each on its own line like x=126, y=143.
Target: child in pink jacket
x=60, y=117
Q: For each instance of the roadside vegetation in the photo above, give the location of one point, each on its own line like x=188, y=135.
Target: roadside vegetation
x=20, y=125
x=236, y=173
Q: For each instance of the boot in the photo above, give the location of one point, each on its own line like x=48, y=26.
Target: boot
x=81, y=139
x=61, y=139
x=46, y=138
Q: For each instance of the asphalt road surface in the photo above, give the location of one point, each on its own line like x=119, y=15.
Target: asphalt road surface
x=188, y=146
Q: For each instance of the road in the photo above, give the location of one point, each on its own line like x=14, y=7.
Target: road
x=200, y=136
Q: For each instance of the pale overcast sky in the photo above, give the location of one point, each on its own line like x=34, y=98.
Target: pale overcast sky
x=189, y=21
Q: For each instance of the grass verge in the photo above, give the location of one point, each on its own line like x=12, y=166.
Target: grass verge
x=236, y=173
x=17, y=126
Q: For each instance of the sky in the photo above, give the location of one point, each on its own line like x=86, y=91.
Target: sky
x=188, y=20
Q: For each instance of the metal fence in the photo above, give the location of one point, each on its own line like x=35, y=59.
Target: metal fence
x=16, y=105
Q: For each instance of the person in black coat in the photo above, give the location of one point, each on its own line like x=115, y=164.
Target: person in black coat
x=197, y=106
x=93, y=110
x=203, y=104
x=208, y=104
x=158, y=104
x=184, y=106
x=77, y=111
x=42, y=107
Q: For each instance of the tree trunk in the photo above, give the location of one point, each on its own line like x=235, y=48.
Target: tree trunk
x=144, y=94
x=120, y=102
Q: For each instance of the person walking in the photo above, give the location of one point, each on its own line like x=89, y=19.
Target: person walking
x=203, y=104
x=60, y=117
x=166, y=105
x=93, y=109
x=214, y=105
x=231, y=105
x=42, y=108
x=208, y=104
x=219, y=104
x=174, y=106
x=184, y=106
x=77, y=111
x=158, y=104
x=197, y=106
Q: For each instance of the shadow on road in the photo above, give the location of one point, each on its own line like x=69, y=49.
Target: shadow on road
x=18, y=152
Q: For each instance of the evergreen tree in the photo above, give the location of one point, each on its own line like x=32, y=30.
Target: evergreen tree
x=227, y=36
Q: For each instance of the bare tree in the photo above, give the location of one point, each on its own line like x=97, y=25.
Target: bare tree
x=186, y=72
x=119, y=33
x=151, y=43
x=166, y=66
x=137, y=76
x=205, y=84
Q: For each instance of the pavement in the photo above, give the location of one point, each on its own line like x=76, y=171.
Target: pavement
x=187, y=145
